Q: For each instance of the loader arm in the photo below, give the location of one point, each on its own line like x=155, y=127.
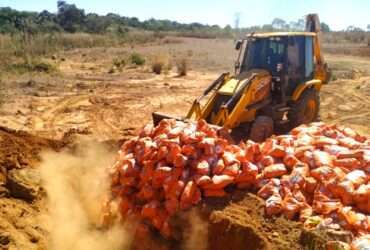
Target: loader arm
x=196, y=109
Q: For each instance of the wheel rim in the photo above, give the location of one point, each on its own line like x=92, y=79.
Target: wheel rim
x=310, y=111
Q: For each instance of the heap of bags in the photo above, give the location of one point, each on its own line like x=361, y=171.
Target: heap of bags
x=316, y=173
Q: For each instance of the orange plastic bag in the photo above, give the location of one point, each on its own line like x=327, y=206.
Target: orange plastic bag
x=171, y=206
x=229, y=158
x=291, y=206
x=180, y=161
x=321, y=158
x=219, y=182
x=304, y=140
x=232, y=170
x=349, y=142
x=310, y=184
x=214, y=193
x=290, y=161
x=277, y=151
x=162, y=153
x=197, y=197
x=189, y=150
x=300, y=151
x=346, y=191
x=219, y=167
x=202, y=180
x=357, y=154
x=361, y=243
x=160, y=174
x=352, y=219
x=175, y=150
x=146, y=193
x=187, y=195
x=322, y=203
x=174, y=189
x=349, y=163
x=321, y=141
x=362, y=194
x=275, y=170
x=248, y=173
x=150, y=210
x=323, y=173
x=159, y=219
x=273, y=205
x=271, y=188
x=124, y=206
x=335, y=149
x=202, y=167
x=267, y=160
x=357, y=177
x=208, y=145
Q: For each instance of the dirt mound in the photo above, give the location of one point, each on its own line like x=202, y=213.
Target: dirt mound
x=20, y=223
x=236, y=222
x=242, y=225
x=19, y=149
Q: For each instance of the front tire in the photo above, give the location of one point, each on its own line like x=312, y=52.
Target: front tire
x=306, y=109
x=262, y=128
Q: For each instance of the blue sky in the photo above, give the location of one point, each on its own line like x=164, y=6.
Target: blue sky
x=339, y=14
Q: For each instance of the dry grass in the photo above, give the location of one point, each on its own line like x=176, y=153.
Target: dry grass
x=29, y=48
x=182, y=66
x=161, y=62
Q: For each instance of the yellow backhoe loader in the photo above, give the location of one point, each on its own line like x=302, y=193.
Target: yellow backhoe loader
x=277, y=80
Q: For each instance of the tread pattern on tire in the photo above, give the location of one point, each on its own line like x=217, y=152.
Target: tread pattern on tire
x=296, y=115
x=262, y=128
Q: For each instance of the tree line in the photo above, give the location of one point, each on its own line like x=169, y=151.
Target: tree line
x=70, y=18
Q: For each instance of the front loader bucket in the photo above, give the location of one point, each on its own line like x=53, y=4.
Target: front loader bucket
x=157, y=117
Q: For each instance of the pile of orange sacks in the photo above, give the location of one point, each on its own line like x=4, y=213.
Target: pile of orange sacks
x=317, y=170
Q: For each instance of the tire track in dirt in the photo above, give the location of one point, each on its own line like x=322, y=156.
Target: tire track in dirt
x=347, y=102
x=50, y=120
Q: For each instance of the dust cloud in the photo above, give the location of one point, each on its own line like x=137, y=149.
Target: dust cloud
x=76, y=185
x=196, y=236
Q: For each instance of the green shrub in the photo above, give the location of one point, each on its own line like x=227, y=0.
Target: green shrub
x=137, y=59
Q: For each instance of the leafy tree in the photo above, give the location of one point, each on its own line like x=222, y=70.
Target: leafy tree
x=278, y=23
x=352, y=28
x=324, y=27
x=69, y=17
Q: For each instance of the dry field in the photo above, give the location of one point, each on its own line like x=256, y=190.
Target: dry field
x=86, y=97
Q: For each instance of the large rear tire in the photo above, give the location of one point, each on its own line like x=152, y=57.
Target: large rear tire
x=306, y=109
x=262, y=128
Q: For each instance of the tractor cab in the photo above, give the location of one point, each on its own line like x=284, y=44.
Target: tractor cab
x=288, y=57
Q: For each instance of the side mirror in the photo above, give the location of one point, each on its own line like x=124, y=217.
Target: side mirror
x=238, y=44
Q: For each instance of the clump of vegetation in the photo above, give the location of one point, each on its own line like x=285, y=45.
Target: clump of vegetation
x=157, y=67
x=32, y=66
x=137, y=59
x=161, y=62
x=119, y=63
x=182, y=66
